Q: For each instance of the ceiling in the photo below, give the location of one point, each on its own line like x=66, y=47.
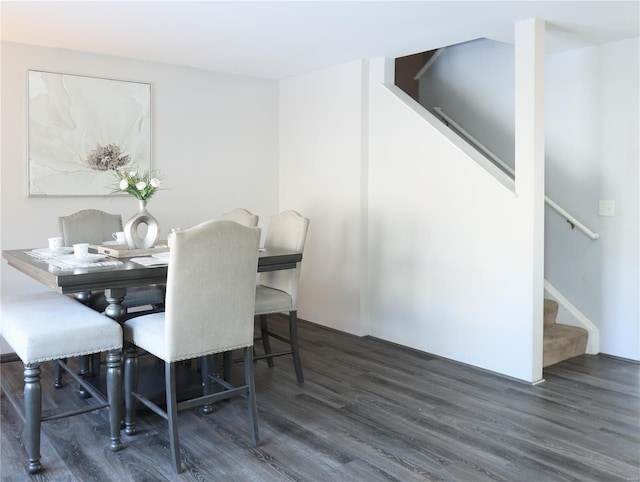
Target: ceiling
x=280, y=39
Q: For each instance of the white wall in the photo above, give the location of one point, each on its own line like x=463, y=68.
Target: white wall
x=443, y=236
x=593, y=134
x=449, y=269
x=474, y=84
x=215, y=139
x=592, y=153
x=320, y=176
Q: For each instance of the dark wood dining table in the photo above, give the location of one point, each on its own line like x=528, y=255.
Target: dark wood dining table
x=115, y=280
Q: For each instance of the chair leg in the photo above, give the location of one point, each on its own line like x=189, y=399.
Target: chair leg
x=95, y=364
x=295, y=351
x=251, y=397
x=114, y=394
x=130, y=386
x=33, y=414
x=215, y=367
x=172, y=415
x=227, y=362
x=206, y=364
x=266, y=343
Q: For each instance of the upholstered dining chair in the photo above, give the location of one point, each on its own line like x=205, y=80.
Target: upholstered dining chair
x=94, y=226
x=89, y=226
x=242, y=216
x=209, y=310
x=277, y=291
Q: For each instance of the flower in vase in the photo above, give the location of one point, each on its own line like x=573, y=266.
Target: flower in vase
x=141, y=187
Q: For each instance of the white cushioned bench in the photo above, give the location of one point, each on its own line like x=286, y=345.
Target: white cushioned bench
x=50, y=326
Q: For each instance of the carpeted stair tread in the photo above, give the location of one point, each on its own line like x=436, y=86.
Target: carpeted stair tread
x=550, y=311
x=562, y=342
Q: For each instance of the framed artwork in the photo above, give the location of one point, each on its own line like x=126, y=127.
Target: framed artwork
x=81, y=129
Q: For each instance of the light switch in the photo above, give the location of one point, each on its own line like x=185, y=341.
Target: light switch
x=606, y=208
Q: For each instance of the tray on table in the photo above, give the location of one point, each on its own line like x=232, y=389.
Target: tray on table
x=123, y=251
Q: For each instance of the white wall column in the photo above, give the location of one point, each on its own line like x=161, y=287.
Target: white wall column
x=529, y=162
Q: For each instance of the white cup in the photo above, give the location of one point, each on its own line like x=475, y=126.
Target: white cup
x=55, y=243
x=119, y=237
x=81, y=250
x=171, y=236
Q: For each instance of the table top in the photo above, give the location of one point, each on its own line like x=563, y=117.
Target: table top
x=125, y=275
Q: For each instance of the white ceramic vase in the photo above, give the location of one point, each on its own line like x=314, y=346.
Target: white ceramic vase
x=134, y=240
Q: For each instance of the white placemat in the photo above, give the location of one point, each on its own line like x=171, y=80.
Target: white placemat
x=151, y=260
x=46, y=253
x=90, y=261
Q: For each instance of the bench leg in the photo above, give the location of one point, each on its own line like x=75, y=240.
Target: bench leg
x=85, y=371
x=130, y=386
x=57, y=371
x=114, y=394
x=33, y=414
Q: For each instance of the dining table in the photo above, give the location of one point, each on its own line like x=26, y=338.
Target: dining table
x=114, y=275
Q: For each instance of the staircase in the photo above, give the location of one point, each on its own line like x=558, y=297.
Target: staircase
x=561, y=342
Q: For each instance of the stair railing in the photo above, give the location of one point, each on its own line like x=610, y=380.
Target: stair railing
x=478, y=145
x=428, y=64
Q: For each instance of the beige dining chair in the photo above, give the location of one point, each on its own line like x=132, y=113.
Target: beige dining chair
x=277, y=291
x=94, y=226
x=209, y=310
x=246, y=218
x=89, y=226
x=242, y=216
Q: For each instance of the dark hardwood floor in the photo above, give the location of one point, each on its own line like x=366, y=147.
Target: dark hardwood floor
x=368, y=411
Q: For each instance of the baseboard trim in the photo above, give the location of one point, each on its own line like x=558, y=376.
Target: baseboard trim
x=620, y=358
x=8, y=358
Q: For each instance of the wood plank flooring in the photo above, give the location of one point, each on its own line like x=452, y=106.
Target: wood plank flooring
x=368, y=411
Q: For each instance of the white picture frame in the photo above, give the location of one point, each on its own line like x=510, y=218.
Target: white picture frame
x=81, y=129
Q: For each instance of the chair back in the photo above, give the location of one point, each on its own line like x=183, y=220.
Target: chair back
x=89, y=226
x=210, y=289
x=286, y=230
x=242, y=216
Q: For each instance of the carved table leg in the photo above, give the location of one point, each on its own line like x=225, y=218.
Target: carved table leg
x=115, y=297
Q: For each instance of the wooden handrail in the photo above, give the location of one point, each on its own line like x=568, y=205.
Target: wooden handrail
x=478, y=145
